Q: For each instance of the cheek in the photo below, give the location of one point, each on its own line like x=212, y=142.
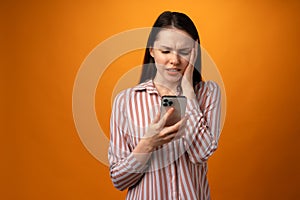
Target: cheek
x=160, y=59
x=185, y=61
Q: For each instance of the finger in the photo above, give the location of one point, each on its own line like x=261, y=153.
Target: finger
x=170, y=137
x=180, y=130
x=193, y=56
x=188, y=73
x=181, y=123
x=194, y=53
x=174, y=135
x=172, y=129
x=163, y=120
x=156, y=118
x=173, y=132
x=196, y=46
x=189, y=69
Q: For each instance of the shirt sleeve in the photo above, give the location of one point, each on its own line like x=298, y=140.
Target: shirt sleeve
x=202, y=130
x=125, y=170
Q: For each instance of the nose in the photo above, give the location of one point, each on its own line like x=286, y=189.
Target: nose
x=174, y=59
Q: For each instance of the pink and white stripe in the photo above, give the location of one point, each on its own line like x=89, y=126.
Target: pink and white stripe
x=177, y=170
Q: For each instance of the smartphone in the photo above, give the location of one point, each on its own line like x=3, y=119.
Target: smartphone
x=179, y=105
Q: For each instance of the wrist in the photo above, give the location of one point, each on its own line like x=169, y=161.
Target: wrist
x=142, y=152
x=190, y=95
x=143, y=146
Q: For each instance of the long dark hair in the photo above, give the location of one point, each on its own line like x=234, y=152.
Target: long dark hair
x=170, y=20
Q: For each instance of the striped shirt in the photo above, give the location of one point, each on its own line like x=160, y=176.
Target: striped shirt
x=176, y=170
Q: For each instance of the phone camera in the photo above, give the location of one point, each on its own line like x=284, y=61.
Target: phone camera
x=166, y=102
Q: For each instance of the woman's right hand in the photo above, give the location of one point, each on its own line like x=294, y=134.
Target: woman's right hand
x=158, y=134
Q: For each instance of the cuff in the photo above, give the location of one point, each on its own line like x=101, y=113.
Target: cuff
x=193, y=107
x=135, y=166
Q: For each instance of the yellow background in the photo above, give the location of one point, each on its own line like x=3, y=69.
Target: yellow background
x=255, y=45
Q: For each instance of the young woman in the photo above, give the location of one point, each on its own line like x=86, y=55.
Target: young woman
x=150, y=159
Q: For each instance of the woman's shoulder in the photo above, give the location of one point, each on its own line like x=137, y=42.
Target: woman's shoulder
x=128, y=92
x=207, y=85
x=123, y=93
x=207, y=89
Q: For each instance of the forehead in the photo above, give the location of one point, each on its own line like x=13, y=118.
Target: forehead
x=173, y=37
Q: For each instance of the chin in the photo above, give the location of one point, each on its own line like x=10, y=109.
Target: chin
x=173, y=79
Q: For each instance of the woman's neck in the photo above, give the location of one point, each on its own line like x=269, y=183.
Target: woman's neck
x=166, y=88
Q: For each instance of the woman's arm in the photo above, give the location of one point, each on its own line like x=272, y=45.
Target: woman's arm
x=125, y=168
x=202, y=130
x=203, y=124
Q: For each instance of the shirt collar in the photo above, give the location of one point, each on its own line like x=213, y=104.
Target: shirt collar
x=147, y=86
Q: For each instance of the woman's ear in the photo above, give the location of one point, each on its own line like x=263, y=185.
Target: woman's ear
x=151, y=52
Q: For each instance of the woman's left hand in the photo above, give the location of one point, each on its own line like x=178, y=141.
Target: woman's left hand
x=187, y=78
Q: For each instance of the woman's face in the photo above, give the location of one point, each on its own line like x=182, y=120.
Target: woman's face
x=171, y=52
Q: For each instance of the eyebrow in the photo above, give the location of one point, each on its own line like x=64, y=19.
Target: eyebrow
x=169, y=48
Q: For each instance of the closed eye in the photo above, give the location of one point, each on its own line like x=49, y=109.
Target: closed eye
x=184, y=53
x=165, y=52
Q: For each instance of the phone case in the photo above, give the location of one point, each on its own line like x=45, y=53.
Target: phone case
x=179, y=105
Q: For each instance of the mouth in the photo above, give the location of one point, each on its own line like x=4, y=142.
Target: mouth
x=173, y=70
